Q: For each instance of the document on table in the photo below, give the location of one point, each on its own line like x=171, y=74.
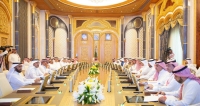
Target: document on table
x=154, y=97
x=26, y=89
x=4, y=100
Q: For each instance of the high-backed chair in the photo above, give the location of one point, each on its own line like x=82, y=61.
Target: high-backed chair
x=5, y=87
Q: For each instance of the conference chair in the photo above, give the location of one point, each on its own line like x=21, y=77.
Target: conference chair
x=5, y=87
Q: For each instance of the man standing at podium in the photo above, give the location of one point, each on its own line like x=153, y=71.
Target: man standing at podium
x=188, y=93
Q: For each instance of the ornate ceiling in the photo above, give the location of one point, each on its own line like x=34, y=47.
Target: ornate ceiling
x=65, y=7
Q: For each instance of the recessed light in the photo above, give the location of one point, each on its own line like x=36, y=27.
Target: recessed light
x=57, y=4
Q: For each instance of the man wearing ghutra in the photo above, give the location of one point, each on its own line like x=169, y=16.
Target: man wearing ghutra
x=15, y=79
x=188, y=93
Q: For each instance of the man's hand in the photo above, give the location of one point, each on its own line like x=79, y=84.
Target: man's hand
x=161, y=93
x=150, y=86
x=37, y=80
x=46, y=74
x=162, y=99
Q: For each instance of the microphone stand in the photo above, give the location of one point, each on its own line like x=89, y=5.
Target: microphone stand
x=133, y=96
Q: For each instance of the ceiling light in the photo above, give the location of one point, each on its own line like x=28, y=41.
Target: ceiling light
x=96, y=2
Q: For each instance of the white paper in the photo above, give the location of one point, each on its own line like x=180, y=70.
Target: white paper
x=150, y=98
x=3, y=100
x=152, y=82
x=26, y=88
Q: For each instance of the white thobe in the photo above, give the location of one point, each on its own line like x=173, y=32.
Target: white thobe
x=190, y=94
x=57, y=65
x=151, y=72
x=13, y=58
x=52, y=67
x=144, y=70
x=17, y=81
x=44, y=70
x=162, y=76
x=63, y=64
x=26, y=65
x=34, y=73
x=170, y=84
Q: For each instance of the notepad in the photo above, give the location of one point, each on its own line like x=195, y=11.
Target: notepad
x=150, y=98
x=6, y=100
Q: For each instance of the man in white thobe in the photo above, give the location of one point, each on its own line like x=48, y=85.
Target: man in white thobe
x=188, y=94
x=56, y=63
x=15, y=79
x=44, y=68
x=63, y=62
x=151, y=72
x=170, y=84
x=161, y=73
x=13, y=57
x=34, y=71
x=2, y=58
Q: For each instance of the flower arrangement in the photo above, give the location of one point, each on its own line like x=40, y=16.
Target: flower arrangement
x=89, y=92
x=93, y=70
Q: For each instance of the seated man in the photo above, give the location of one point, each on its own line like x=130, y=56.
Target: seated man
x=44, y=68
x=34, y=71
x=188, y=93
x=15, y=79
x=191, y=66
x=151, y=71
x=170, y=84
x=161, y=72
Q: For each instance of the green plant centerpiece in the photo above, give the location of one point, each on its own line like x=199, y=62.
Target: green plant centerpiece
x=94, y=71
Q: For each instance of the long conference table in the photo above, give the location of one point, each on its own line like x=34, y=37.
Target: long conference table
x=56, y=97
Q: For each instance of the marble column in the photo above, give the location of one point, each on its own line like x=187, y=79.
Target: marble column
x=122, y=38
x=47, y=32
x=152, y=6
x=69, y=39
x=16, y=13
x=33, y=5
x=185, y=27
x=144, y=34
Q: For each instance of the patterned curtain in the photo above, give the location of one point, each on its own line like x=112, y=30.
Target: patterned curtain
x=164, y=39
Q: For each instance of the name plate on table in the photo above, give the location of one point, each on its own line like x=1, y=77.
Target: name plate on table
x=8, y=101
x=25, y=90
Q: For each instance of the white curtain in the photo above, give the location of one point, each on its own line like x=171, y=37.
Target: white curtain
x=175, y=44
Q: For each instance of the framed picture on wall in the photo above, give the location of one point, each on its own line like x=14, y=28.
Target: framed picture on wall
x=108, y=36
x=96, y=36
x=84, y=37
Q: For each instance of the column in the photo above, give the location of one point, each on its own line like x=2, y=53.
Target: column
x=47, y=32
x=16, y=3
x=144, y=34
x=122, y=38
x=33, y=5
x=152, y=6
x=185, y=27
x=69, y=39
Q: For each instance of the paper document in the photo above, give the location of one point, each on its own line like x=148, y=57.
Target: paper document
x=150, y=98
x=26, y=88
x=3, y=100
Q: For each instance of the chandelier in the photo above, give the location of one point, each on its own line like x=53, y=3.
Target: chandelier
x=97, y=1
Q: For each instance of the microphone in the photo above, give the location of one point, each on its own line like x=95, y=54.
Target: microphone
x=133, y=96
